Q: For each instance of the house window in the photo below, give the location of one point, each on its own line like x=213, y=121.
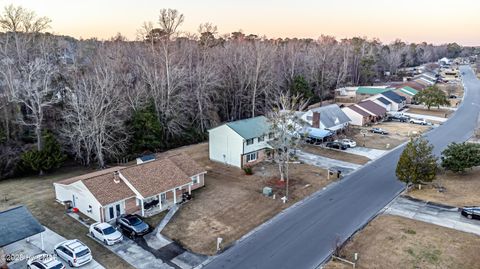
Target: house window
x=195, y=180
x=251, y=157
x=249, y=141
x=261, y=138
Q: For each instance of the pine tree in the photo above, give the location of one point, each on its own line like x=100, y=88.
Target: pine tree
x=458, y=157
x=417, y=163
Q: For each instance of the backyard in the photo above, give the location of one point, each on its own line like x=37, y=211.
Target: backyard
x=396, y=242
x=231, y=204
x=38, y=195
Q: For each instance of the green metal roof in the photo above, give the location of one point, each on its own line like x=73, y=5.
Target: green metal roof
x=250, y=128
x=371, y=91
x=409, y=90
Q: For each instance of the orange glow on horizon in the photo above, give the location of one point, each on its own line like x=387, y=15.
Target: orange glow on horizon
x=433, y=21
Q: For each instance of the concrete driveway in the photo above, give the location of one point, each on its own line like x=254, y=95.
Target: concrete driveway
x=372, y=154
x=33, y=247
x=426, y=117
x=327, y=163
x=441, y=215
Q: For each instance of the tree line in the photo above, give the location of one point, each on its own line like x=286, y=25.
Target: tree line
x=98, y=101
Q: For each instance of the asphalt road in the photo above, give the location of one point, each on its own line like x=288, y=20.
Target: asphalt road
x=304, y=236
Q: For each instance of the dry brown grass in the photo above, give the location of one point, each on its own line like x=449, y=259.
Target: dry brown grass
x=442, y=113
x=399, y=132
x=231, y=204
x=400, y=243
x=336, y=154
x=461, y=189
x=37, y=193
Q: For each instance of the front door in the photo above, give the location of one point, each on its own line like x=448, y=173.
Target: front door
x=114, y=211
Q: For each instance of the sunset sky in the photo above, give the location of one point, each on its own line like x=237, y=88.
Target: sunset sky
x=435, y=21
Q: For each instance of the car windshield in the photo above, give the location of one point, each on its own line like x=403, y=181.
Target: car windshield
x=58, y=266
x=109, y=230
x=134, y=221
x=83, y=253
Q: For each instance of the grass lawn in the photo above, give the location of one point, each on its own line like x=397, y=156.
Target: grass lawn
x=231, y=204
x=37, y=193
x=399, y=132
x=461, y=189
x=336, y=154
x=396, y=242
x=432, y=112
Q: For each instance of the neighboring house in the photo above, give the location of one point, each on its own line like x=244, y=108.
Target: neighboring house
x=240, y=142
x=365, y=92
x=330, y=118
x=17, y=224
x=346, y=94
x=376, y=111
x=357, y=115
x=398, y=101
x=146, y=188
x=146, y=158
x=407, y=92
x=381, y=101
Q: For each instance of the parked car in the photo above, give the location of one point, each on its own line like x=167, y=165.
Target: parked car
x=471, y=212
x=452, y=96
x=336, y=145
x=418, y=121
x=44, y=261
x=347, y=142
x=398, y=118
x=74, y=252
x=105, y=233
x=132, y=225
x=379, y=131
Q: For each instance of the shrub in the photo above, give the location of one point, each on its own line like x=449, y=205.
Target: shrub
x=47, y=159
x=248, y=170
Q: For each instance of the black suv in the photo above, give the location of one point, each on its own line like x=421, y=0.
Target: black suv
x=132, y=225
x=471, y=212
x=398, y=118
x=336, y=145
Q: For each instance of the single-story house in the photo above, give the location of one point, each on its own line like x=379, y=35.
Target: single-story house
x=398, y=101
x=145, y=189
x=381, y=101
x=346, y=94
x=330, y=118
x=357, y=115
x=240, y=142
x=407, y=92
x=368, y=91
x=17, y=224
x=376, y=111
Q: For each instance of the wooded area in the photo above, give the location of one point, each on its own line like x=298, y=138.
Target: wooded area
x=98, y=101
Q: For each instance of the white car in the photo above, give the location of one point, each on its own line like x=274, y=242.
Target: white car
x=74, y=252
x=418, y=121
x=105, y=233
x=44, y=261
x=347, y=142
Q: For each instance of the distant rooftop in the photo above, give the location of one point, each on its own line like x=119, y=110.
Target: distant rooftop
x=371, y=90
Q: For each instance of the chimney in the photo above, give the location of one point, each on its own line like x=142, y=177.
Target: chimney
x=116, y=177
x=316, y=120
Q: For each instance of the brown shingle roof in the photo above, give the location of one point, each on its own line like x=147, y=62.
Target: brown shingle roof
x=359, y=110
x=186, y=164
x=156, y=177
x=107, y=190
x=373, y=107
x=71, y=180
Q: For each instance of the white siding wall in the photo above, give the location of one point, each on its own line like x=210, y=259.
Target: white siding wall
x=356, y=118
x=256, y=145
x=225, y=145
x=83, y=198
x=394, y=106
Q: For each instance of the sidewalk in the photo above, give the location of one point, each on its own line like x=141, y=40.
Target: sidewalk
x=437, y=214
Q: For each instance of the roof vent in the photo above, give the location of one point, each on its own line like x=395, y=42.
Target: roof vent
x=116, y=177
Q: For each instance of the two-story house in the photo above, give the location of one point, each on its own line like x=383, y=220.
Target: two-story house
x=241, y=142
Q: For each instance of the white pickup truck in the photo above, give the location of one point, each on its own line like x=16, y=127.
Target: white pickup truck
x=418, y=121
